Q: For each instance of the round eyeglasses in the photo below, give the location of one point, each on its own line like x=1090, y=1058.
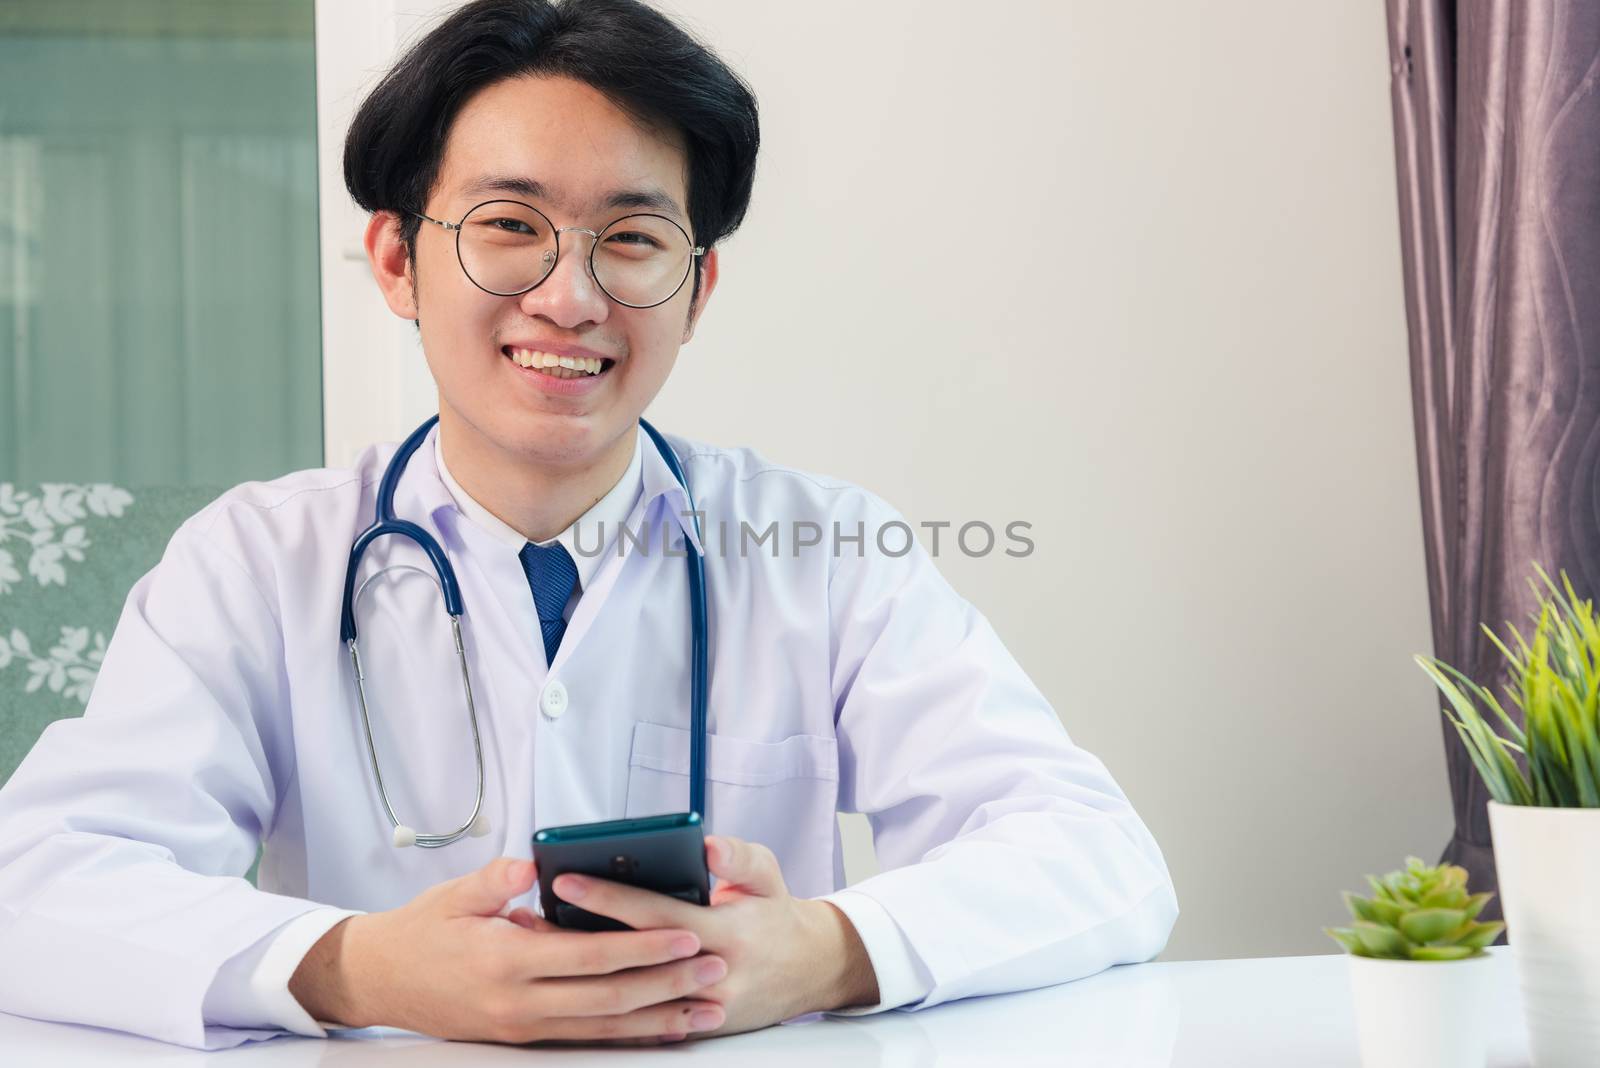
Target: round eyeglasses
x=507, y=247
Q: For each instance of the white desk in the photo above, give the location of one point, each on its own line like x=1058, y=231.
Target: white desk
x=1286, y=1011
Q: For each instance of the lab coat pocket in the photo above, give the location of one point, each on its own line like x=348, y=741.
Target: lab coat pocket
x=782, y=794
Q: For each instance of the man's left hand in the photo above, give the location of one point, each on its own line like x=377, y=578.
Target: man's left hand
x=786, y=956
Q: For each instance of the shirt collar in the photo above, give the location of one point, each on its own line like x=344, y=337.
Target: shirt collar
x=431, y=494
x=602, y=521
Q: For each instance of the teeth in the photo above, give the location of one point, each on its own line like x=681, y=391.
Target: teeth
x=532, y=358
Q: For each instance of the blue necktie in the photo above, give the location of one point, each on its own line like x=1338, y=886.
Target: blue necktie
x=552, y=576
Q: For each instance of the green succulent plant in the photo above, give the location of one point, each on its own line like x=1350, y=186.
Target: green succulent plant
x=1552, y=758
x=1417, y=913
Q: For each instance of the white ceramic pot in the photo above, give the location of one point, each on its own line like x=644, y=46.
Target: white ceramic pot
x=1421, y=1014
x=1548, y=862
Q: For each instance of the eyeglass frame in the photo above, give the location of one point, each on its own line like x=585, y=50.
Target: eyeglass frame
x=695, y=252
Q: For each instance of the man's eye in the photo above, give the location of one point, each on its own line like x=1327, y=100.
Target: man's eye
x=511, y=226
x=635, y=239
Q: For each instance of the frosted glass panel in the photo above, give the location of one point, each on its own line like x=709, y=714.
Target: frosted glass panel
x=159, y=319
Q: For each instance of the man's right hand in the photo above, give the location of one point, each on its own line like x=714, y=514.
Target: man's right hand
x=449, y=964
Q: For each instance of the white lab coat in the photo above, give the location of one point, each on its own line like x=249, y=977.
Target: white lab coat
x=224, y=716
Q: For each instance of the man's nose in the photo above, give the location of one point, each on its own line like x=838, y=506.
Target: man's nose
x=569, y=295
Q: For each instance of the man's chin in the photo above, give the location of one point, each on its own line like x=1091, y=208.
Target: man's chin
x=574, y=442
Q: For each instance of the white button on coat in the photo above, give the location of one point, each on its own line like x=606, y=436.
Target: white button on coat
x=853, y=680
x=554, y=699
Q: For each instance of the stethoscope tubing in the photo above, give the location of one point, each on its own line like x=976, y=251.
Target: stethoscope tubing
x=698, y=680
x=385, y=522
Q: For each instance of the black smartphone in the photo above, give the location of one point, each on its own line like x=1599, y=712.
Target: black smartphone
x=666, y=854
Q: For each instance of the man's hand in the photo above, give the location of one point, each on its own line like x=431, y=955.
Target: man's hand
x=448, y=964
x=786, y=956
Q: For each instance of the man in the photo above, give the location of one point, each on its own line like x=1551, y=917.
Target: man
x=546, y=181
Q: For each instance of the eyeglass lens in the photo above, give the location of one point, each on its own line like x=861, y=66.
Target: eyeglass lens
x=508, y=247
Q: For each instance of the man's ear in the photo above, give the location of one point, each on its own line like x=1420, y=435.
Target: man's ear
x=708, y=282
x=391, y=267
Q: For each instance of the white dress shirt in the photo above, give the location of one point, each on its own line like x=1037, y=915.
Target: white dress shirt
x=846, y=678
x=598, y=526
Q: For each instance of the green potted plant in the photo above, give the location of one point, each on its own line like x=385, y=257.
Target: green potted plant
x=1418, y=971
x=1543, y=775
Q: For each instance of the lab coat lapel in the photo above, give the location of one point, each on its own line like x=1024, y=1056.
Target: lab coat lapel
x=619, y=555
x=659, y=485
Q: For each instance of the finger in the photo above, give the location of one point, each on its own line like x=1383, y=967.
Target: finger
x=667, y=1021
x=749, y=865
x=627, y=991
x=486, y=891
x=560, y=953
x=640, y=909
x=651, y=1040
x=525, y=917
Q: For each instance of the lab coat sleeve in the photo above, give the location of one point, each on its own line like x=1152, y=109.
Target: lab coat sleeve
x=901, y=977
x=1009, y=857
x=125, y=834
x=252, y=990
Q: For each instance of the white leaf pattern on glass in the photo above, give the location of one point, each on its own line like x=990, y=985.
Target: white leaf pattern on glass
x=63, y=502
x=48, y=523
x=33, y=512
x=73, y=542
x=73, y=641
x=37, y=671
x=107, y=500
x=69, y=670
x=45, y=565
x=8, y=572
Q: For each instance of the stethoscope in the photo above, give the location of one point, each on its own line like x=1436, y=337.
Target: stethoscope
x=477, y=824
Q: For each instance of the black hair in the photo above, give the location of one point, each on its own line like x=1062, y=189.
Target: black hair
x=641, y=60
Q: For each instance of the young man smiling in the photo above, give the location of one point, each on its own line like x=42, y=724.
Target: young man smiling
x=548, y=185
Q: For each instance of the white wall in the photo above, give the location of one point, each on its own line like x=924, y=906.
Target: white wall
x=1129, y=273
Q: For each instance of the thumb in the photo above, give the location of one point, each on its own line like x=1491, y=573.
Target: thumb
x=748, y=865
x=486, y=891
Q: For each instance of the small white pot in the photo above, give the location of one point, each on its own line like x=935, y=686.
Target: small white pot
x=1548, y=862
x=1421, y=1014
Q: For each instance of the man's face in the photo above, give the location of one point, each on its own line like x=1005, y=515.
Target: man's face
x=582, y=150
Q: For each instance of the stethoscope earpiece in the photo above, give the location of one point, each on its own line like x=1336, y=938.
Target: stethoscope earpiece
x=404, y=836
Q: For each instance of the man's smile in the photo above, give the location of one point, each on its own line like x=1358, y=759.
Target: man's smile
x=562, y=370
x=557, y=366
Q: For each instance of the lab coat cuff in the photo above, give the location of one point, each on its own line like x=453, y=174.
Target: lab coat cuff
x=268, y=982
x=902, y=979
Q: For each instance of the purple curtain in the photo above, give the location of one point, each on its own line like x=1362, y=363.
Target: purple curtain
x=1497, y=149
